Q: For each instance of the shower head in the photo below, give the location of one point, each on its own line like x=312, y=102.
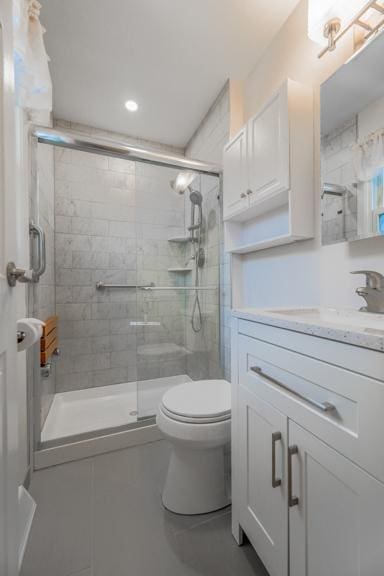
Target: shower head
x=182, y=182
x=196, y=198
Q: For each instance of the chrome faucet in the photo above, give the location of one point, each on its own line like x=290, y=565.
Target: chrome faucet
x=372, y=292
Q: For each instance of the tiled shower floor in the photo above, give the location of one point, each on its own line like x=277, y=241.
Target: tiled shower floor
x=94, y=409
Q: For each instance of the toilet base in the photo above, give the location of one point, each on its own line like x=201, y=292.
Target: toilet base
x=196, y=481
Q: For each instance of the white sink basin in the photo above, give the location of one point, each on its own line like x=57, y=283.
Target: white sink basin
x=334, y=318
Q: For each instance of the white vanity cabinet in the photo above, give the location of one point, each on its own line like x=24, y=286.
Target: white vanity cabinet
x=308, y=463
x=268, y=173
x=262, y=438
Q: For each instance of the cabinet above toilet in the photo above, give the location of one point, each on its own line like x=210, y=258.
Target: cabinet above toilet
x=268, y=174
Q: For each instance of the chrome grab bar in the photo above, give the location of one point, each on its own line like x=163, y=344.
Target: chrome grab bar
x=323, y=406
x=36, y=231
x=186, y=288
x=102, y=286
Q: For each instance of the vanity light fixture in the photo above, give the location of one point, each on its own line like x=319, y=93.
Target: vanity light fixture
x=330, y=20
x=131, y=105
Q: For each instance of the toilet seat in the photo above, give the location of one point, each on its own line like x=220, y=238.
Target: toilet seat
x=201, y=402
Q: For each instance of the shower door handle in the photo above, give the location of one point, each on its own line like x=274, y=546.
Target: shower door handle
x=37, y=232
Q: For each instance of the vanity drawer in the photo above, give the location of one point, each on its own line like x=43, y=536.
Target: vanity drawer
x=343, y=408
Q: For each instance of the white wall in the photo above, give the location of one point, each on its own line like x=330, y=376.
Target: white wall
x=303, y=273
x=211, y=135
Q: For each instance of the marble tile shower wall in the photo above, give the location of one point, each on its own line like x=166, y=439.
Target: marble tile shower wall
x=113, y=218
x=204, y=346
x=207, y=144
x=161, y=341
x=42, y=212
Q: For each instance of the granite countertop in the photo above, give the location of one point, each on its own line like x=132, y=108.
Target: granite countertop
x=339, y=325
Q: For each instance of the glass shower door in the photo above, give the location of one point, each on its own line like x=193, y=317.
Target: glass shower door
x=171, y=348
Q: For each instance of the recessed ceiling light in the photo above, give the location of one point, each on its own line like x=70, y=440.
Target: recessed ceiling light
x=131, y=105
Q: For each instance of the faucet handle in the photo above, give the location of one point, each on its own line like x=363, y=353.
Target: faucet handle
x=373, y=279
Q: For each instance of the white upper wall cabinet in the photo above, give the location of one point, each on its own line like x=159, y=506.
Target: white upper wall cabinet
x=268, y=174
x=235, y=169
x=268, y=149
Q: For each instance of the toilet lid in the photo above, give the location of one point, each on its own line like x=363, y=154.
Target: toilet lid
x=201, y=399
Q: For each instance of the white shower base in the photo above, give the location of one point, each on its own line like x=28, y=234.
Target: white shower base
x=95, y=409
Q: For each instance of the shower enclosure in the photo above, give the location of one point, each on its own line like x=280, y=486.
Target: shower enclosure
x=132, y=275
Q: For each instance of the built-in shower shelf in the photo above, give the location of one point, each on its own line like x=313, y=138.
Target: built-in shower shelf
x=180, y=270
x=180, y=239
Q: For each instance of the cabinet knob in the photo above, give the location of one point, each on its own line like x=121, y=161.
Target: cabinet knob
x=249, y=192
x=243, y=195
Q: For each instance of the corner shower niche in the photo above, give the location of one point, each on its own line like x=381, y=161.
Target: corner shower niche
x=124, y=342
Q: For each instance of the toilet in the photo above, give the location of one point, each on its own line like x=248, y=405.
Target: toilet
x=196, y=419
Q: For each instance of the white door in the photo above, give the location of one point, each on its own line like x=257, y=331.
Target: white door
x=268, y=148
x=235, y=182
x=8, y=389
x=337, y=524
x=263, y=505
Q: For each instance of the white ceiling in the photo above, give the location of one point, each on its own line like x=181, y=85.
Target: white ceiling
x=171, y=56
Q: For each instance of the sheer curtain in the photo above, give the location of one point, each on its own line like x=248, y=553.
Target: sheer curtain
x=368, y=156
x=32, y=77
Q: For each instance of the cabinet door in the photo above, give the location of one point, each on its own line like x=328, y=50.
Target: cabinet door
x=235, y=198
x=263, y=508
x=268, y=148
x=337, y=525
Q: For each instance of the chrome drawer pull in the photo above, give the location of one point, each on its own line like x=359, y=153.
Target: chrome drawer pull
x=292, y=500
x=323, y=406
x=276, y=436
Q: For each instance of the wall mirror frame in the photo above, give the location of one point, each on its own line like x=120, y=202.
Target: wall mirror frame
x=352, y=148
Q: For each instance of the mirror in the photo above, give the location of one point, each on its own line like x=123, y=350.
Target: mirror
x=352, y=148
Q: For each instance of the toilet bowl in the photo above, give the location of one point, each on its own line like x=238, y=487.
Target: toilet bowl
x=196, y=419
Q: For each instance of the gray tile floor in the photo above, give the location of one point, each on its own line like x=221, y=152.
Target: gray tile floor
x=103, y=517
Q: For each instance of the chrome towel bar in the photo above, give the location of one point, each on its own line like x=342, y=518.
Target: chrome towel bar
x=150, y=287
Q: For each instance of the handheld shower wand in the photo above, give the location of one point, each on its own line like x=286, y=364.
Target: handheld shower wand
x=182, y=183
